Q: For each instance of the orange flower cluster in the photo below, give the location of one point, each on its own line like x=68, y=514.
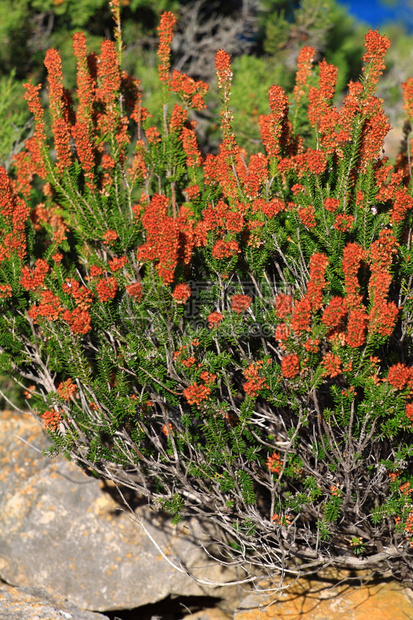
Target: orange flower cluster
x=110, y=236
x=106, y=288
x=317, y=281
x=315, y=161
x=163, y=237
x=61, y=134
x=220, y=217
x=152, y=135
x=67, y=389
x=240, y=303
x=178, y=118
x=343, y=222
x=301, y=317
x=400, y=376
x=225, y=249
x=165, y=30
x=84, y=83
x=214, y=319
x=275, y=128
x=53, y=64
x=409, y=411
x=195, y=394
x=334, y=312
x=181, y=293
x=84, y=150
x=5, y=291
x=269, y=209
x=322, y=114
x=167, y=429
x=109, y=79
x=218, y=170
x=81, y=294
x=402, y=203
x=332, y=365
x=135, y=291
x=192, y=92
x=255, y=383
x=331, y=204
x=406, y=489
x=60, y=126
x=283, y=305
x=376, y=47
x=307, y=216
x=383, y=314
x=32, y=279
x=190, y=361
x=253, y=175
x=375, y=129
x=14, y=214
x=353, y=255
x=290, y=366
x=48, y=308
x=192, y=192
x=408, y=528
x=282, y=332
x=304, y=63
x=79, y=320
x=223, y=69
x=356, y=327
x=408, y=96
x=190, y=145
x=138, y=169
x=51, y=420
x=118, y=263
x=167, y=239
x=274, y=463
x=208, y=377
x=312, y=345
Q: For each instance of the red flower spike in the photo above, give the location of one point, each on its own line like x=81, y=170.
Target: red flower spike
x=165, y=31
x=240, y=303
x=255, y=383
x=332, y=365
x=223, y=69
x=181, y=293
x=283, y=305
x=290, y=366
x=356, y=327
x=274, y=464
x=214, y=319
x=135, y=291
x=190, y=145
x=86, y=86
x=304, y=63
x=51, y=420
x=106, y=288
x=195, y=394
x=376, y=47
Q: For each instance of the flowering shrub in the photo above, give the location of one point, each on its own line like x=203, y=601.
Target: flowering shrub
x=230, y=337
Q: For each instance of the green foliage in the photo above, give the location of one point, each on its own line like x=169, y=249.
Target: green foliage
x=225, y=334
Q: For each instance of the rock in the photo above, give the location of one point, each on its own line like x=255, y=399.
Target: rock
x=60, y=530
x=337, y=600
x=39, y=604
x=212, y=613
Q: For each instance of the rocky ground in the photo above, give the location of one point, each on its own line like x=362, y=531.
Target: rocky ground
x=68, y=551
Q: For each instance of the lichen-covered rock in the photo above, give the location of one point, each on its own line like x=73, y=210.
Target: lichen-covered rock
x=61, y=530
x=39, y=604
x=320, y=600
